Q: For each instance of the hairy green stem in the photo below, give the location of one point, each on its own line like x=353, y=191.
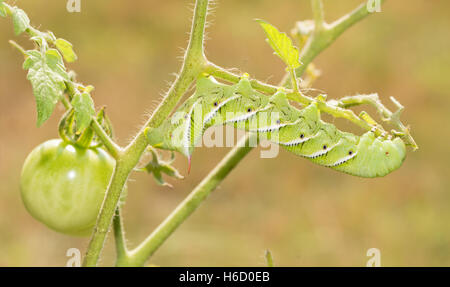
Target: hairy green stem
x=18, y=47
x=110, y=145
x=193, y=65
x=119, y=236
x=65, y=103
x=317, y=8
x=342, y=24
x=228, y=76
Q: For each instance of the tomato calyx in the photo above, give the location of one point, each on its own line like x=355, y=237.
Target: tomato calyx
x=85, y=138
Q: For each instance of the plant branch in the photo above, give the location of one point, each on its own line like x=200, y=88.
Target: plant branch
x=348, y=20
x=224, y=74
x=228, y=76
x=139, y=256
x=65, y=103
x=317, y=8
x=108, y=142
x=193, y=65
x=30, y=30
x=18, y=47
x=325, y=35
x=392, y=118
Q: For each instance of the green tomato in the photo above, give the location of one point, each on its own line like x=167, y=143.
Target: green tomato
x=63, y=185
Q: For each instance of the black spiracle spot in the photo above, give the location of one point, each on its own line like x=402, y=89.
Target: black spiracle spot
x=216, y=104
x=249, y=110
x=350, y=152
x=302, y=136
x=324, y=146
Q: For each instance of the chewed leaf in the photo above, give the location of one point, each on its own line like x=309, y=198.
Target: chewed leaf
x=66, y=49
x=47, y=74
x=281, y=44
x=21, y=21
x=83, y=106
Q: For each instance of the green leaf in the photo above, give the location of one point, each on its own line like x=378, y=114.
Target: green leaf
x=83, y=106
x=21, y=21
x=66, y=49
x=47, y=74
x=281, y=44
x=3, y=12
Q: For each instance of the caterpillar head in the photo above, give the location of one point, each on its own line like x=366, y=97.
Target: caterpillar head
x=390, y=155
x=375, y=157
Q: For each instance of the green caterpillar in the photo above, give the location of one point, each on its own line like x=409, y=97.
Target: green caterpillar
x=299, y=131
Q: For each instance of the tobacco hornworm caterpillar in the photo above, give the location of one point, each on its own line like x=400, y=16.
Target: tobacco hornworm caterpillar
x=299, y=131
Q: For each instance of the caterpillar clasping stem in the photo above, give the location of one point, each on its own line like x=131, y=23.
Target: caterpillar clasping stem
x=300, y=131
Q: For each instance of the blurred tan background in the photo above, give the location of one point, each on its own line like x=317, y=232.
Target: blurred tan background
x=305, y=214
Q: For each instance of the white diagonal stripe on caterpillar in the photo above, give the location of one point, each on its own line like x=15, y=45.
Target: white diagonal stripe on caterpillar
x=297, y=141
x=322, y=152
x=211, y=114
x=268, y=129
x=242, y=118
x=188, y=128
x=343, y=160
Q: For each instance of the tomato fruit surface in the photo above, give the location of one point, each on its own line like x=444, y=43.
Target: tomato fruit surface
x=63, y=185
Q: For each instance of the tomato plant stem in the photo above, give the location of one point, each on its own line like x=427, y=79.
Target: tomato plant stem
x=110, y=145
x=119, y=236
x=221, y=73
x=193, y=65
x=317, y=9
x=139, y=256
